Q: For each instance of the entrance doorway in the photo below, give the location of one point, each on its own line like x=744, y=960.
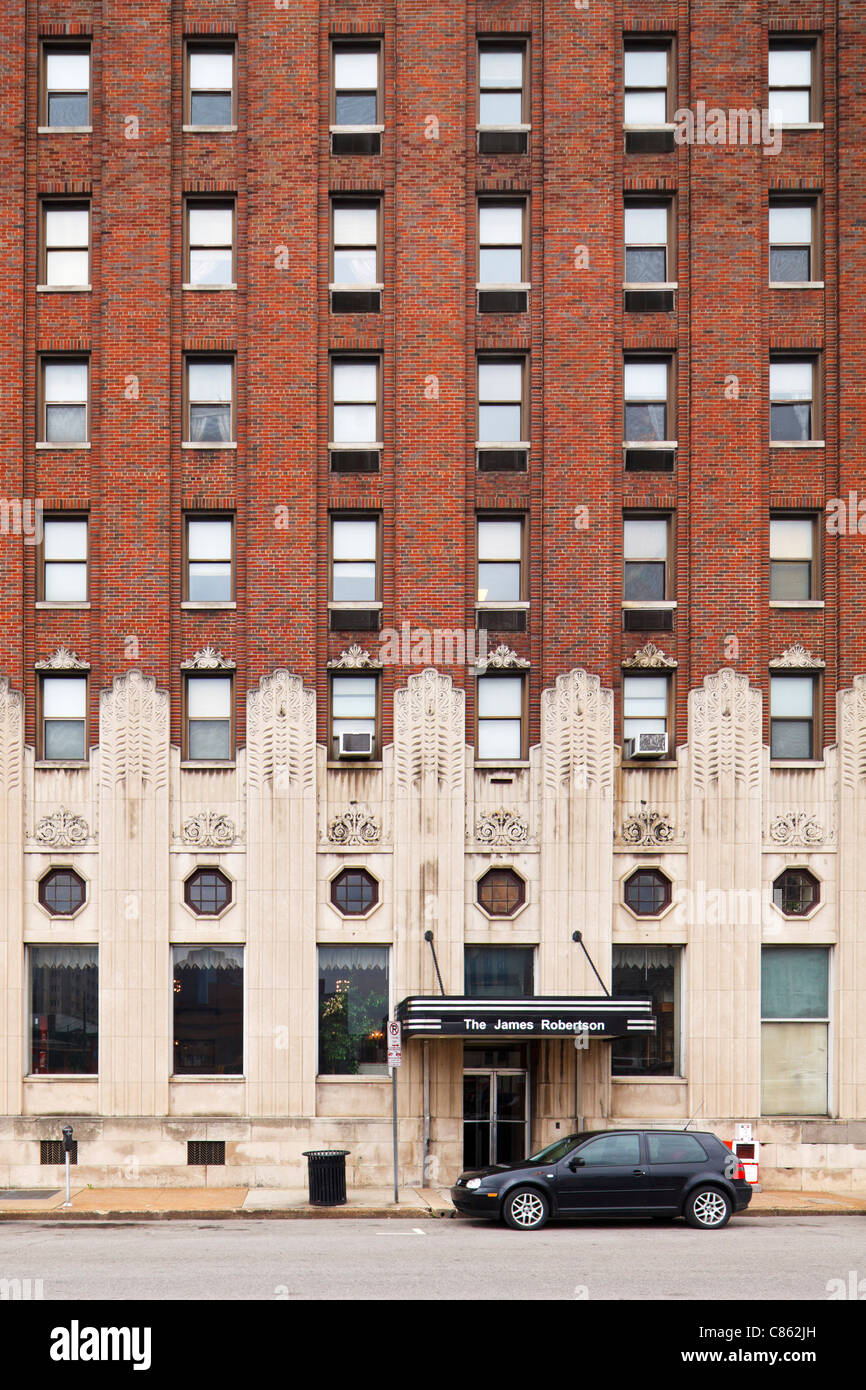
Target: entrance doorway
x=495, y=1107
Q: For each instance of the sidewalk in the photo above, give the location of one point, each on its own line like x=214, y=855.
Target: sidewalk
x=155, y=1203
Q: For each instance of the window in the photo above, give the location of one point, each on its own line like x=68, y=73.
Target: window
x=649, y=273
x=354, y=716
x=209, y=404
x=498, y=972
x=209, y=725
x=649, y=972
x=796, y=892
x=794, y=1029
x=646, y=561
x=65, y=1010
x=646, y=392
x=210, y=94
x=208, y=892
x=65, y=397
x=502, y=262
x=790, y=99
x=354, y=555
x=355, y=413
x=354, y=892
x=792, y=242
x=647, y=892
x=647, y=98
x=208, y=1011
x=612, y=1151
x=503, y=108
x=792, y=400
x=792, y=716
x=210, y=240
x=353, y=1010
x=500, y=560
x=793, y=559
x=208, y=566
x=63, y=573
x=356, y=256
x=65, y=251
x=64, y=718
x=645, y=711
x=500, y=400
x=674, y=1148
x=500, y=718
x=501, y=892
x=65, y=86
x=356, y=99
x=62, y=892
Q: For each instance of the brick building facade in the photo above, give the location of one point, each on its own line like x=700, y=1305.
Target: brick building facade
x=273, y=272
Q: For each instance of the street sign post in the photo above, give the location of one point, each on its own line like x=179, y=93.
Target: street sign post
x=395, y=1059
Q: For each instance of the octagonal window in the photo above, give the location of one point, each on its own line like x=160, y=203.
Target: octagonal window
x=354, y=892
x=796, y=892
x=62, y=892
x=647, y=892
x=207, y=892
x=501, y=892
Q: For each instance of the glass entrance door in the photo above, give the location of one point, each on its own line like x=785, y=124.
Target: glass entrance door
x=495, y=1117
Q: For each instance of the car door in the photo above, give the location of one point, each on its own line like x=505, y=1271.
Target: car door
x=604, y=1174
x=672, y=1160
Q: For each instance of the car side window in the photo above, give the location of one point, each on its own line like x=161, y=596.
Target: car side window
x=613, y=1149
x=675, y=1148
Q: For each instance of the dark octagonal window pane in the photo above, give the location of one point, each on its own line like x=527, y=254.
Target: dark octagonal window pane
x=207, y=892
x=648, y=892
x=796, y=892
x=62, y=892
x=501, y=892
x=354, y=892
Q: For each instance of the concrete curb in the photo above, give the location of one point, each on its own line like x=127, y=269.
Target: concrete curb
x=231, y=1214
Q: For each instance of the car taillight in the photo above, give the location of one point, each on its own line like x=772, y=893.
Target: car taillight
x=741, y=1172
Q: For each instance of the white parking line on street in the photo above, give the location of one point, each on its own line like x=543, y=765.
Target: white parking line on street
x=414, y=1231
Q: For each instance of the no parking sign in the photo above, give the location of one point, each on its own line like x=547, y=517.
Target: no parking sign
x=395, y=1043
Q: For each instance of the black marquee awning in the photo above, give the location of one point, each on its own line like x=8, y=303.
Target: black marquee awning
x=535, y=1016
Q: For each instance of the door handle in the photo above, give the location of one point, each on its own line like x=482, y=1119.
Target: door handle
x=639, y=1172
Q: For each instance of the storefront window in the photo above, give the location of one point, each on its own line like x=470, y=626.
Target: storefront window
x=498, y=972
x=208, y=1011
x=353, y=1008
x=65, y=996
x=648, y=972
x=794, y=1028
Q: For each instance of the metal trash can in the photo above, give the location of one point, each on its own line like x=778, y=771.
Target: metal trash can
x=326, y=1175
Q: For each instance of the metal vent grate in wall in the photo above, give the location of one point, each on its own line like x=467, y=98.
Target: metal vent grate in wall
x=51, y=1151
x=207, y=1152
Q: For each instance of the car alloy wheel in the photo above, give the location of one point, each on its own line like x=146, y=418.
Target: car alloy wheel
x=526, y=1210
x=709, y=1209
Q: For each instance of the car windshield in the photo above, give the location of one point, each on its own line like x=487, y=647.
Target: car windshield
x=554, y=1152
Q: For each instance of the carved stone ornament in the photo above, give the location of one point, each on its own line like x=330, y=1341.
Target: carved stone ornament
x=63, y=660
x=650, y=657
x=798, y=658
x=502, y=659
x=355, y=826
x=647, y=829
x=209, y=829
x=501, y=827
x=60, y=830
x=354, y=658
x=798, y=828
x=207, y=659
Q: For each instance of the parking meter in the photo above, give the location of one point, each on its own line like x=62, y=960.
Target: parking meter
x=67, y=1151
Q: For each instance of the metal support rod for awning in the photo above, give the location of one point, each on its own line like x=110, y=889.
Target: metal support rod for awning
x=578, y=937
x=428, y=937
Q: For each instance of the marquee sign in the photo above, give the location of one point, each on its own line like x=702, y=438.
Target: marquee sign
x=537, y=1016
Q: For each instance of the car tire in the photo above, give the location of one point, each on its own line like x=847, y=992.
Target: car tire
x=708, y=1209
x=526, y=1209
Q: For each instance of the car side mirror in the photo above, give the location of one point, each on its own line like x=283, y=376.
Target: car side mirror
x=577, y=1163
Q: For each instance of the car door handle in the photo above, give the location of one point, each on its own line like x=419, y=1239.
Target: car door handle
x=639, y=1172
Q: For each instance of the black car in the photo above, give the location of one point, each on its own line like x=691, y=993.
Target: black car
x=625, y=1172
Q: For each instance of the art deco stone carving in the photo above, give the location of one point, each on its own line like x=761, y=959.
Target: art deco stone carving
x=63, y=660
x=798, y=658
x=502, y=659
x=577, y=732
x=798, y=828
x=355, y=826
x=501, y=828
x=354, y=658
x=209, y=829
x=60, y=830
x=207, y=659
x=429, y=737
x=133, y=731
x=725, y=731
x=852, y=734
x=650, y=657
x=281, y=734
x=11, y=736
x=647, y=829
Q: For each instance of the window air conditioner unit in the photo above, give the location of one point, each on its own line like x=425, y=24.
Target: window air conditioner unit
x=647, y=746
x=358, y=745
